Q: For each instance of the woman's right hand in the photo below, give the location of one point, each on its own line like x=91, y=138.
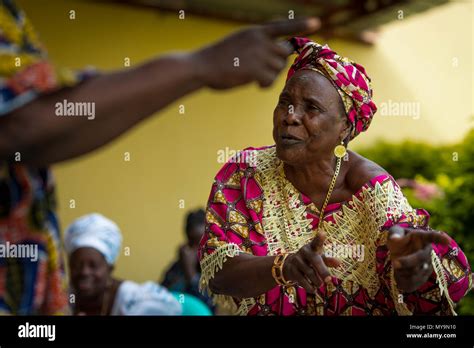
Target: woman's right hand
x=308, y=267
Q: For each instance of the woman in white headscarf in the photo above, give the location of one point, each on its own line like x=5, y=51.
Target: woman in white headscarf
x=93, y=243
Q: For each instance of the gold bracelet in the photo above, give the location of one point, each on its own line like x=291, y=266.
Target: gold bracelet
x=277, y=270
x=276, y=266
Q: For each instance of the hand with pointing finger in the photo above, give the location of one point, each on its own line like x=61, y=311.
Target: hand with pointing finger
x=251, y=54
x=410, y=253
x=308, y=267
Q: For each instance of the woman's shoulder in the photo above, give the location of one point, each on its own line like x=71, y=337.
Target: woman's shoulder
x=363, y=171
x=243, y=161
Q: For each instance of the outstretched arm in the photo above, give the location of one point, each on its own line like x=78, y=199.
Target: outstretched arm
x=123, y=99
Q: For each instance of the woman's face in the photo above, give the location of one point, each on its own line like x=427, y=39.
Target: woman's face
x=309, y=119
x=89, y=272
x=195, y=234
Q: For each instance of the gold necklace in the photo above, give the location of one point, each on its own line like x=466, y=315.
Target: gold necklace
x=287, y=226
x=339, y=152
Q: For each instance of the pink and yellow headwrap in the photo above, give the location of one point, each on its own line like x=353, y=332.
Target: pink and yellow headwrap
x=350, y=79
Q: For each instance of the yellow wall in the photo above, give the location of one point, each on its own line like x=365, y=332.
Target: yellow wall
x=174, y=156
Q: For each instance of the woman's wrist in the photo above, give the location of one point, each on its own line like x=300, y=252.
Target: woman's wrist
x=278, y=270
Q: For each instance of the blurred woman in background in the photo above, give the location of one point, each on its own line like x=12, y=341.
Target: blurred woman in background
x=182, y=277
x=93, y=244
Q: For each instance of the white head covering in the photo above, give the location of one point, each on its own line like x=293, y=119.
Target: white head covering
x=94, y=231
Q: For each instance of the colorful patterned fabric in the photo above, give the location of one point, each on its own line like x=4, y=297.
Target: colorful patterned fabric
x=27, y=204
x=25, y=71
x=254, y=209
x=350, y=79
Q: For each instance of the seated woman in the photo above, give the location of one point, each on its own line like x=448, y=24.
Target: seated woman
x=93, y=243
x=183, y=276
x=306, y=227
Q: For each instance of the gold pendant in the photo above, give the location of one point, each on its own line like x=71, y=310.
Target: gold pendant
x=340, y=151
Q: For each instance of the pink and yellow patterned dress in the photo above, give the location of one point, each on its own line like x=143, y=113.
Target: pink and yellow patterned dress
x=254, y=209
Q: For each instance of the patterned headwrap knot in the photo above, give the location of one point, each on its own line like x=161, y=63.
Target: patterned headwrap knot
x=349, y=78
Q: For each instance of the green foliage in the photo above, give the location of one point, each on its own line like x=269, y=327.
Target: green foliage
x=452, y=169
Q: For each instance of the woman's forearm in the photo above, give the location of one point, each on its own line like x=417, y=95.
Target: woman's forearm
x=121, y=100
x=244, y=276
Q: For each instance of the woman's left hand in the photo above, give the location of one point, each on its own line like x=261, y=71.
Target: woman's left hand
x=410, y=253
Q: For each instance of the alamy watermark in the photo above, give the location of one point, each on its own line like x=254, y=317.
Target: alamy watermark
x=67, y=108
x=233, y=156
x=400, y=109
x=28, y=330
x=345, y=251
x=21, y=251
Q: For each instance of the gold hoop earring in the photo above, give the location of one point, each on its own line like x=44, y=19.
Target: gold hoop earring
x=340, y=150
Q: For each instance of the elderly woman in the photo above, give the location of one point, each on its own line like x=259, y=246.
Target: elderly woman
x=307, y=227
x=93, y=244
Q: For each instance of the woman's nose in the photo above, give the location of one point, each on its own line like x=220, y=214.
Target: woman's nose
x=84, y=270
x=293, y=115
